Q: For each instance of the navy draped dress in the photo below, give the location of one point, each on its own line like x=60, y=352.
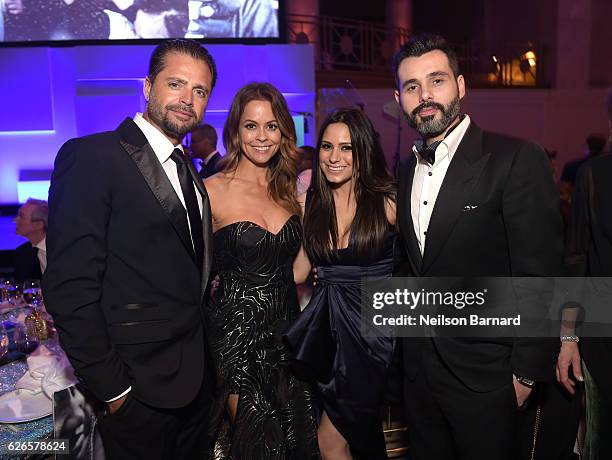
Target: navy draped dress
x=348, y=370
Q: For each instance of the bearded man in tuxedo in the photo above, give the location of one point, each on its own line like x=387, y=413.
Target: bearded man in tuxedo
x=471, y=203
x=129, y=256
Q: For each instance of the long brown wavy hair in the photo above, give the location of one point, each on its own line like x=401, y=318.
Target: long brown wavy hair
x=282, y=167
x=372, y=187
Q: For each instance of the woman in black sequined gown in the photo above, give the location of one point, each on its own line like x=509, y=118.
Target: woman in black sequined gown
x=261, y=412
x=348, y=235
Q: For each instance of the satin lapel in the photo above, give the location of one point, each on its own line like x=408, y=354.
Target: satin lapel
x=206, y=225
x=461, y=177
x=406, y=226
x=157, y=180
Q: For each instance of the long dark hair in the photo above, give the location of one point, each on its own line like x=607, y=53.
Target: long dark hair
x=373, y=186
x=282, y=167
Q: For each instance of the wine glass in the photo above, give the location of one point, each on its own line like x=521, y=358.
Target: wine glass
x=12, y=293
x=32, y=293
x=4, y=341
x=4, y=282
x=25, y=338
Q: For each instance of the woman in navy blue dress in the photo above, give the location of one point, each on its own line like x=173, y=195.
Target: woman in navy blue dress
x=348, y=234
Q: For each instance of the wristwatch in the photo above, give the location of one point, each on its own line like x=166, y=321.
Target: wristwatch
x=525, y=381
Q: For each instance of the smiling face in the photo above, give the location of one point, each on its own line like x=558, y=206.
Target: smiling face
x=178, y=96
x=429, y=93
x=260, y=134
x=336, y=154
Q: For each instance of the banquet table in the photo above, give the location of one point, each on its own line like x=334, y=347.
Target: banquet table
x=37, y=430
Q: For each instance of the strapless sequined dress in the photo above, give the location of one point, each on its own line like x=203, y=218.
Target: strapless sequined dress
x=252, y=306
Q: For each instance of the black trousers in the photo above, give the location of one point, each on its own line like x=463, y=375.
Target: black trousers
x=138, y=431
x=557, y=423
x=449, y=421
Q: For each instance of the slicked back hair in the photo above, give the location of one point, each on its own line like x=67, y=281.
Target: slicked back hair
x=422, y=44
x=183, y=46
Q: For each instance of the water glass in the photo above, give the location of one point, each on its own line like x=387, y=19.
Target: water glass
x=32, y=293
x=25, y=338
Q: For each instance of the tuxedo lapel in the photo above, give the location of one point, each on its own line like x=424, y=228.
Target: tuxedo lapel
x=406, y=226
x=461, y=177
x=137, y=147
x=206, y=225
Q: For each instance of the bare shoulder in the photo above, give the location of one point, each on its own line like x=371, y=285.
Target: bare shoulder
x=216, y=182
x=391, y=209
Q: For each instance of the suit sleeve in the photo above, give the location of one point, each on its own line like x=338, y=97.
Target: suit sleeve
x=79, y=212
x=578, y=229
x=534, y=232
x=576, y=247
x=401, y=266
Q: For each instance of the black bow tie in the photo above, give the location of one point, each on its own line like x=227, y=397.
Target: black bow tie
x=428, y=152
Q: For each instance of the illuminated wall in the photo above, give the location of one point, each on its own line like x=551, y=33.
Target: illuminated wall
x=50, y=95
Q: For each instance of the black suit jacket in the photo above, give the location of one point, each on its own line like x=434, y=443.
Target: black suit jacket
x=210, y=168
x=589, y=252
x=26, y=263
x=122, y=282
x=512, y=227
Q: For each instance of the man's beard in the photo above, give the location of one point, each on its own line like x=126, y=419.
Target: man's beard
x=160, y=116
x=429, y=126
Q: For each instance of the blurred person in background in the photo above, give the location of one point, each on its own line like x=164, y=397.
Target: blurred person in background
x=30, y=259
x=203, y=149
x=594, y=146
x=305, y=155
x=589, y=254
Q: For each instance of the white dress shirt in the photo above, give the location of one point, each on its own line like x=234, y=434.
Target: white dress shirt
x=42, y=254
x=163, y=149
x=428, y=180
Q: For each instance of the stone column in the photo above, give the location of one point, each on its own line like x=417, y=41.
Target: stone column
x=303, y=21
x=399, y=16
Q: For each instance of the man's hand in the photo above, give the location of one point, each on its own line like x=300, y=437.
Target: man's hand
x=521, y=391
x=114, y=406
x=569, y=355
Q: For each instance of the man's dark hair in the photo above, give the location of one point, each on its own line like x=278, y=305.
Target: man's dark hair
x=183, y=46
x=421, y=44
x=205, y=131
x=596, y=143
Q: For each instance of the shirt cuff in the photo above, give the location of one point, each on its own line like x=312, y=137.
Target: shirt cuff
x=120, y=396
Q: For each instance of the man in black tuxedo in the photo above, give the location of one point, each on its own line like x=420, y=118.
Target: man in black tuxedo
x=204, y=148
x=129, y=256
x=589, y=254
x=30, y=258
x=470, y=203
